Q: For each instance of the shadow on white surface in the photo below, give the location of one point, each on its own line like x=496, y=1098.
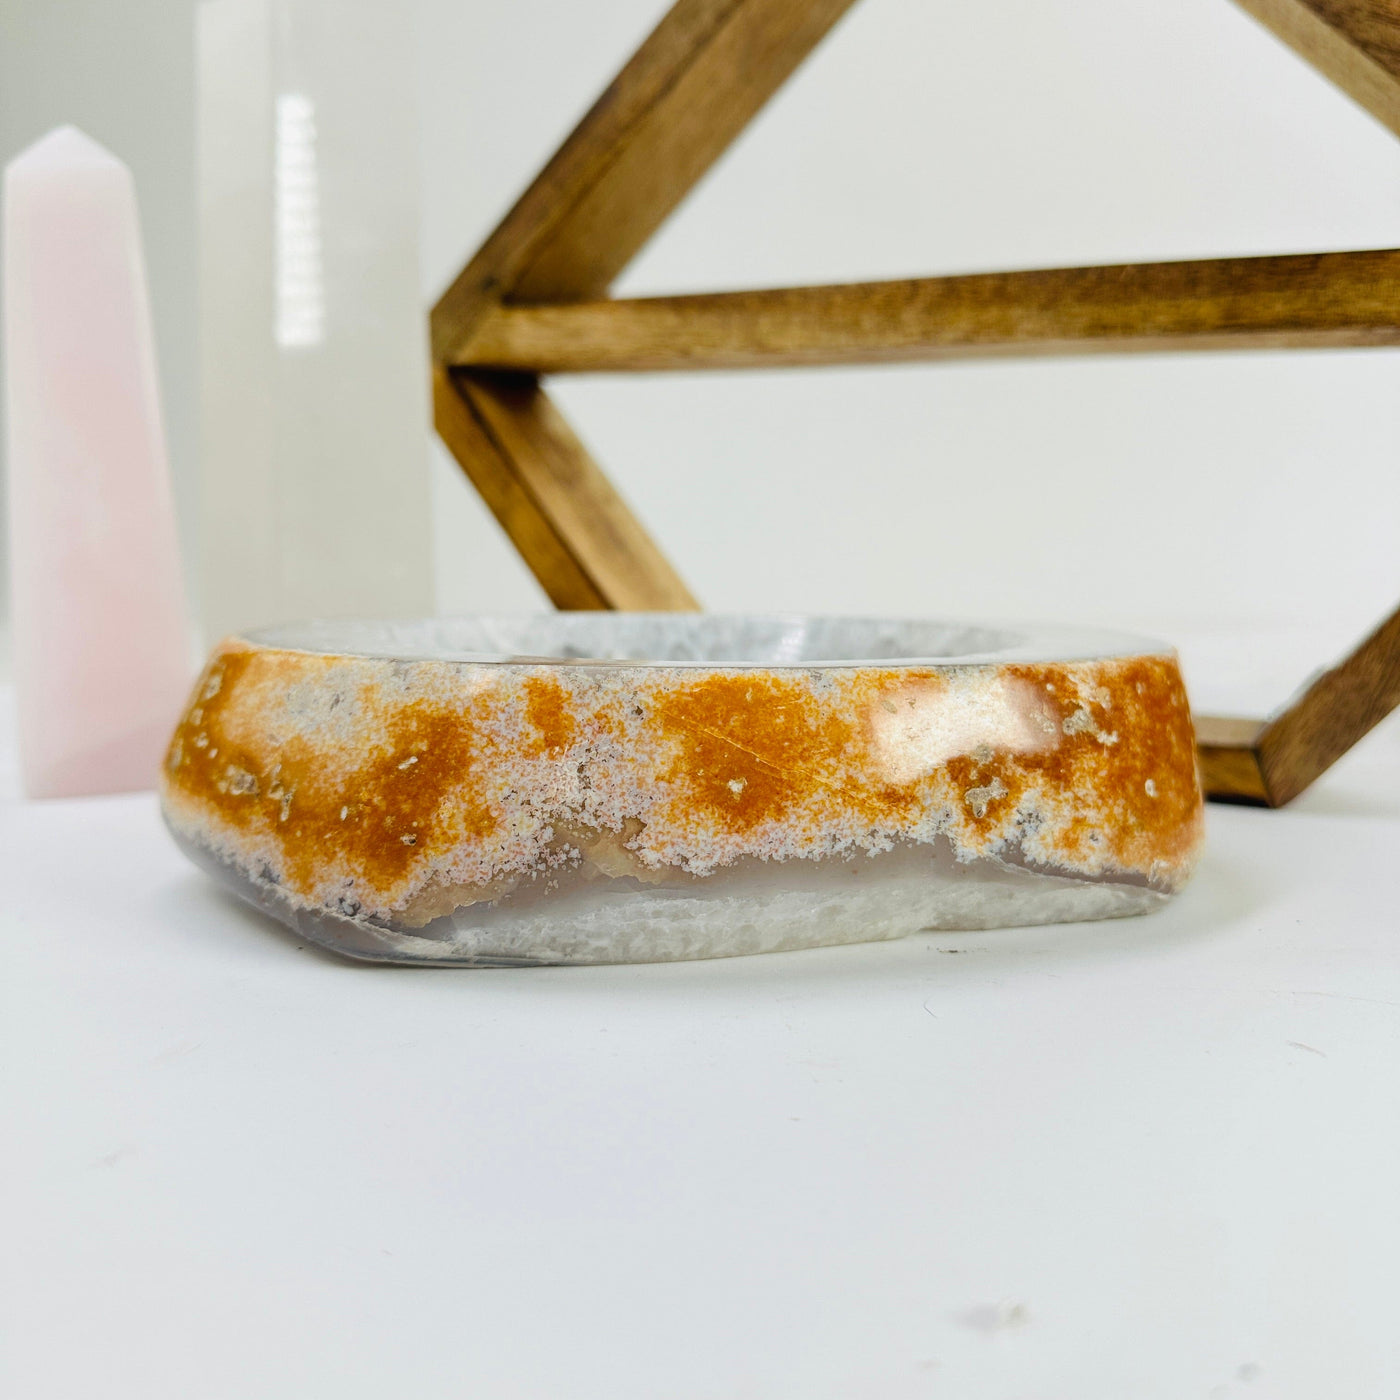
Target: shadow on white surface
x=205, y=911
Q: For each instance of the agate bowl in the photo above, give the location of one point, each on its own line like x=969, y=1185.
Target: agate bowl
x=596, y=787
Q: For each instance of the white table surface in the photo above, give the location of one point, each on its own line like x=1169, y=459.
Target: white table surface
x=1151, y=1158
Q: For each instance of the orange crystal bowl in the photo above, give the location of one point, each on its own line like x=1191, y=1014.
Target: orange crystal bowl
x=603, y=787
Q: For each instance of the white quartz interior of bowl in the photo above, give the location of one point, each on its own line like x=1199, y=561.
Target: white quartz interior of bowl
x=698, y=639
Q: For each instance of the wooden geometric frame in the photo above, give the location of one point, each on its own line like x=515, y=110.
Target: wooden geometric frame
x=533, y=301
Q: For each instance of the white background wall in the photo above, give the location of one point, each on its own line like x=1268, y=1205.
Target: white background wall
x=1206, y=492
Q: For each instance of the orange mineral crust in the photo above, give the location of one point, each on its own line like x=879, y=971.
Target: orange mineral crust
x=402, y=790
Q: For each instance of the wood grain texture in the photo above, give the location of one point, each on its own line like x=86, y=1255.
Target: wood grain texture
x=571, y=527
x=1309, y=300
x=684, y=96
x=1229, y=764
x=1355, y=43
x=490, y=470
x=1271, y=762
x=1337, y=709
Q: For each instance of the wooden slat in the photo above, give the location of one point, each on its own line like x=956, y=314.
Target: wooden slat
x=1309, y=300
x=574, y=531
x=1355, y=43
x=1336, y=710
x=1229, y=764
x=491, y=471
x=1246, y=760
x=686, y=94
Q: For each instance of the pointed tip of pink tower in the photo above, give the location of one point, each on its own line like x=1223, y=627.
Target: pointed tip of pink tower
x=63, y=148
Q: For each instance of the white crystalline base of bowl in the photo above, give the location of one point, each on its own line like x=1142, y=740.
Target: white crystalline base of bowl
x=761, y=907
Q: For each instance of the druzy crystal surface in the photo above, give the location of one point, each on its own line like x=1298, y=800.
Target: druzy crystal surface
x=614, y=788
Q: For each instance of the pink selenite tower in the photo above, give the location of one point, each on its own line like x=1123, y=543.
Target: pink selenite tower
x=101, y=637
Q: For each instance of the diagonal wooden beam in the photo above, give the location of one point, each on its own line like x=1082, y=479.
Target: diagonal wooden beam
x=689, y=90
x=1355, y=43
x=1304, y=301
x=574, y=531
x=1336, y=710
x=491, y=470
x=1271, y=763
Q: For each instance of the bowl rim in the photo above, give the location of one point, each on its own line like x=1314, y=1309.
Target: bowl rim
x=429, y=639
